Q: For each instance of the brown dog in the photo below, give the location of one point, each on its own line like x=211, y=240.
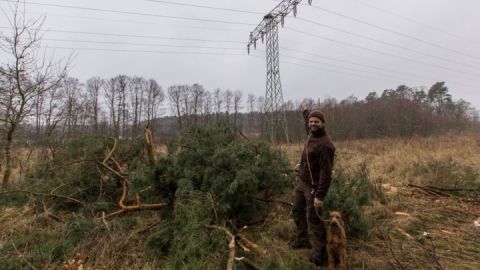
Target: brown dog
x=336, y=241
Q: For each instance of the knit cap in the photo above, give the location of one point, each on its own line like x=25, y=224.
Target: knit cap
x=317, y=114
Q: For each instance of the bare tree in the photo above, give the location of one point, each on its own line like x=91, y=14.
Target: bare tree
x=251, y=110
x=121, y=83
x=185, y=94
x=197, y=92
x=155, y=96
x=218, y=101
x=26, y=74
x=39, y=103
x=93, y=89
x=174, y=96
x=227, y=97
x=207, y=106
x=112, y=100
x=237, y=98
x=53, y=115
x=72, y=88
x=137, y=87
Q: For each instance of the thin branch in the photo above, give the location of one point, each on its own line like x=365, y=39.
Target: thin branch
x=248, y=263
x=46, y=195
x=23, y=257
x=231, y=245
x=398, y=263
x=430, y=190
x=274, y=201
x=251, y=244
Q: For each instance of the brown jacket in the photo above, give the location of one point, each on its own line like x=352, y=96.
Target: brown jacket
x=321, y=155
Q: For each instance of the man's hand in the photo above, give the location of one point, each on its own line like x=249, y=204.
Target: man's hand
x=304, y=105
x=317, y=203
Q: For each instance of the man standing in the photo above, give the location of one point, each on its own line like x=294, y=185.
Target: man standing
x=313, y=181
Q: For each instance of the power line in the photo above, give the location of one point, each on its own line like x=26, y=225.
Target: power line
x=413, y=21
x=137, y=36
x=330, y=27
x=146, y=51
x=241, y=49
x=238, y=49
x=361, y=75
x=360, y=64
x=207, y=7
x=138, y=22
x=380, y=52
x=306, y=20
x=143, y=44
x=394, y=32
x=419, y=80
x=342, y=72
x=388, y=44
x=132, y=13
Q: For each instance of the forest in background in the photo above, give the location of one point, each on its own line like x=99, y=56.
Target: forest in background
x=122, y=106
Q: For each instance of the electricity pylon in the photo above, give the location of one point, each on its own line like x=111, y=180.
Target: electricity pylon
x=275, y=122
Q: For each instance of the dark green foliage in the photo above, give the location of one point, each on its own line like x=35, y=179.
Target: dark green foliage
x=77, y=168
x=216, y=160
x=349, y=194
x=161, y=239
x=212, y=176
x=193, y=244
x=13, y=199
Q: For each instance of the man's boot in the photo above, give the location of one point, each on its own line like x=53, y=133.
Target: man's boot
x=300, y=244
x=318, y=259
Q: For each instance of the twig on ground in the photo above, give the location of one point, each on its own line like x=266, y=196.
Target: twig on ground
x=105, y=221
x=398, y=263
x=434, y=255
x=433, y=252
x=151, y=226
x=46, y=195
x=231, y=245
x=248, y=263
x=274, y=201
x=430, y=190
x=240, y=244
x=251, y=244
x=23, y=257
x=49, y=214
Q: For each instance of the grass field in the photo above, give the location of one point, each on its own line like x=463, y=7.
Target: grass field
x=410, y=228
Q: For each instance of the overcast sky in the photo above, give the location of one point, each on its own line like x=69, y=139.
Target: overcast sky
x=335, y=48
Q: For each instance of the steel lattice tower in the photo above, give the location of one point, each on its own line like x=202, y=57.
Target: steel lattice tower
x=275, y=125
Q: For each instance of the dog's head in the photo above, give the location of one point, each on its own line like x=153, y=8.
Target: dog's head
x=335, y=219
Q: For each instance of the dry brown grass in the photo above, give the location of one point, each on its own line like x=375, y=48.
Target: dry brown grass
x=409, y=214
x=396, y=240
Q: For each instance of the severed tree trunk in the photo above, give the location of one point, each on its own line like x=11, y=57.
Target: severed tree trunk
x=150, y=146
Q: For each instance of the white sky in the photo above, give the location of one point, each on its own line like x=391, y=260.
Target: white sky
x=441, y=37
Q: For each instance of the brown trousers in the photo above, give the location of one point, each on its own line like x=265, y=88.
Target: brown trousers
x=302, y=211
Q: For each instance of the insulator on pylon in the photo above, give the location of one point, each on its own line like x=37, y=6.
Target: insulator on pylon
x=310, y=2
x=282, y=19
x=295, y=10
x=262, y=37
